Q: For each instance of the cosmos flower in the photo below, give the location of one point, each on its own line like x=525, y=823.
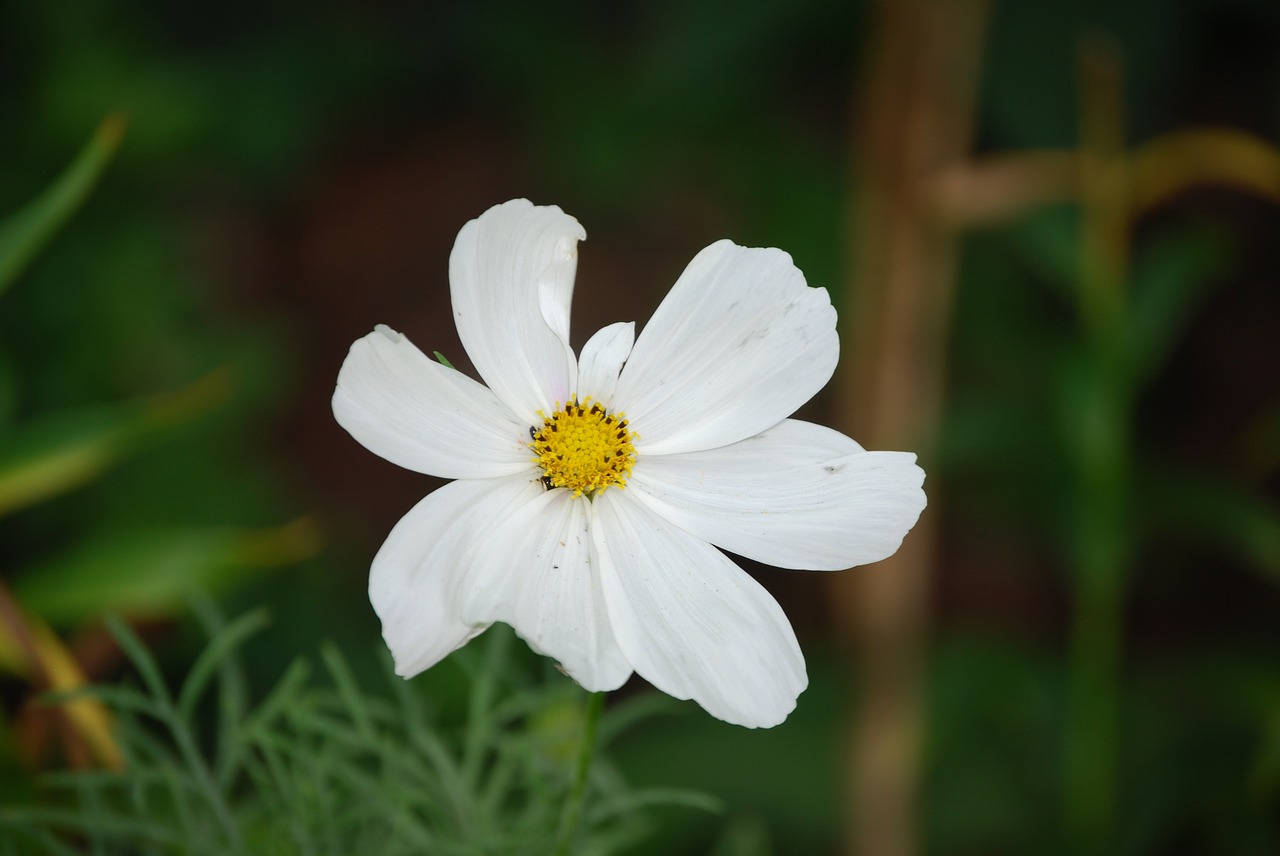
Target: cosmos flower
x=589, y=490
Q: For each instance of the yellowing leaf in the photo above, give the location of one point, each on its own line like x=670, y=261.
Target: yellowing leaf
x=54, y=454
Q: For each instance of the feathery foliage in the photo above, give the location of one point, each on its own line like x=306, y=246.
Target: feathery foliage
x=321, y=766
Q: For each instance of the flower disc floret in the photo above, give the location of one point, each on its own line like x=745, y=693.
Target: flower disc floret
x=583, y=448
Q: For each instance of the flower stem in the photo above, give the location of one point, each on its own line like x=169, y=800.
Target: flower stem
x=571, y=815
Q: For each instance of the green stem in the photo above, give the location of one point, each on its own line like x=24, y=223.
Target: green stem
x=1101, y=561
x=1091, y=737
x=571, y=815
x=1102, y=421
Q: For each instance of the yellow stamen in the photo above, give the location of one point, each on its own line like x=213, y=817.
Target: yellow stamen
x=583, y=448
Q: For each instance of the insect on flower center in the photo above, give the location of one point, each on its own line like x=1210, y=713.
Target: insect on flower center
x=583, y=448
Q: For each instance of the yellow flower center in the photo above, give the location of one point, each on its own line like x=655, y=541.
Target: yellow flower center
x=584, y=448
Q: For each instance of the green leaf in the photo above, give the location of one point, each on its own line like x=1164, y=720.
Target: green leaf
x=1265, y=776
x=1170, y=281
x=143, y=661
x=284, y=696
x=59, y=452
x=214, y=656
x=349, y=692
x=24, y=234
x=627, y=803
x=1232, y=518
x=1048, y=244
x=146, y=574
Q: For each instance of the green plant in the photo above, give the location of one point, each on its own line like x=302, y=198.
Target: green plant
x=322, y=765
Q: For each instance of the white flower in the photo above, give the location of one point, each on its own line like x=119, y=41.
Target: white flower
x=589, y=491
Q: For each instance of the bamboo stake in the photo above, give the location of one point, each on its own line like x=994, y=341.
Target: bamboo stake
x=915, y=121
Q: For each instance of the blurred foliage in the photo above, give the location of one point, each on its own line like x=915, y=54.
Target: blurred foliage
x=331, y=766
x=42, y=457
x=24, y=234
x=53, y=454
x=643, y=114
x=148, y=574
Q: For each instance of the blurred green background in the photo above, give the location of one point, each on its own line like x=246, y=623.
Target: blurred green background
x=291, y=175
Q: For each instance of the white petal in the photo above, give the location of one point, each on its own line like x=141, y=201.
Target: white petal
x=511, y=280
x=690, y=621
x=738, y=344
x=537, y=576
x=601, y=361
x=402, y=405
x=797, y=496
x=416, y=577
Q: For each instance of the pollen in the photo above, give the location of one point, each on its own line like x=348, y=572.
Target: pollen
x=583, y=448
